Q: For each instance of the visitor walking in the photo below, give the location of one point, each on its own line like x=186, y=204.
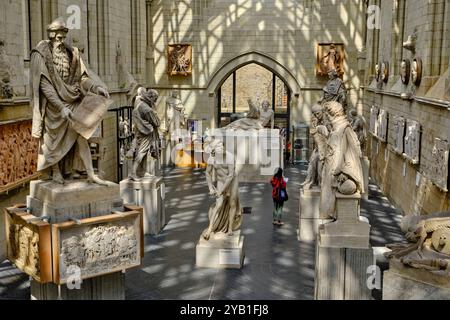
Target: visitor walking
x=279, y=195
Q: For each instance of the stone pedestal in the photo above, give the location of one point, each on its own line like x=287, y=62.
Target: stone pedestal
x=149, y=193
x=108, y=287
x=341, y=273
x=309, y=216
x=365, y=162
x=76, y=199
x=343, y=254
x=350, y=230
x=221, y=251
x=405, y=283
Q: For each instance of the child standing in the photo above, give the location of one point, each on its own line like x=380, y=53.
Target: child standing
x=278, y=184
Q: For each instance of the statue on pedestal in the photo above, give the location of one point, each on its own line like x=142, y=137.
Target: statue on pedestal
x=175, y=116
x=68, y=103
x=225, y=216
x=146, y=137
x=342, y=170
x=320, y=134
x=251, y=122
x=267, y=115
x=335, y=89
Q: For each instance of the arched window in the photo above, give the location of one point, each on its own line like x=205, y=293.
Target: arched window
x=258, y=83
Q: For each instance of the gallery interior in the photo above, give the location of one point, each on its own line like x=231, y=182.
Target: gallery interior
x=224, y=149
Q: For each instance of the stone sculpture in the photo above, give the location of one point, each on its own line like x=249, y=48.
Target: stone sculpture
x=6, y=91
x=358, y=124
x=320, y=134
x=252, y=121
x=99, y=248
x=146, y=137
x=18, y=153
x=430, y=238
x=24, y=248
x=225, y=215
x=342, y=170
x=374, y=120
x=412, y=141
x=331, y=60
x=416, y=71
x=175, y=115
x=382, y=125
x=399, y=133
x=405, y=71
x=267, y=115
x=64, y=92
x=335, y=89
x=180, y=60
x=437, y=169
x=385, y=71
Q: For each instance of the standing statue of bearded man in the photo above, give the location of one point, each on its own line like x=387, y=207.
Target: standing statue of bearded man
x=68, y=105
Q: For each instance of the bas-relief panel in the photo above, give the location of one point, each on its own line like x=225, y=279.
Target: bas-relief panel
x=382, y=125
x=179, y=59
x=437, y=169
x=98, y=248
x=374, y=120
x=18, y=153
x=399, y=133
x=412, y=141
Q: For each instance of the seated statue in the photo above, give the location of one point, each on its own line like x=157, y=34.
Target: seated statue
x=225, y=215
x=342, y=170
x=267, y=115
x=430, y=242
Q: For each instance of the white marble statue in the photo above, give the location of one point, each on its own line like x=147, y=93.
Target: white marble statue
x=267, y=115
x=342, y=170
x=320, y=134
x=64, y=93
x=251, y=122
x=225, y=215
x=175, y=114
x=146, y=136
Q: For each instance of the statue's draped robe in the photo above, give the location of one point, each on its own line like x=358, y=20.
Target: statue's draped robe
x=146, y=123
x=343, y=156
x=50, y=94
x=220, y=220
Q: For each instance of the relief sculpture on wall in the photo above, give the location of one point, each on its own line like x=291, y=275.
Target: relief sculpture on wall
x=374, y=120
x=437, y=169
x=399, y=133
x=330, y=56
x=412, y=141
x=382, y=126
x=18, y=153
x=98, y=248
x=179, y=59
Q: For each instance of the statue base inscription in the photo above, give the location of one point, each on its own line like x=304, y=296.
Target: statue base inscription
x=309, y=216
x=401, y=282
x=147, y=192
x=221, y=251
x=350, y=230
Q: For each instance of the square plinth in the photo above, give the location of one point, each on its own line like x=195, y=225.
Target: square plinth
x=221, y=253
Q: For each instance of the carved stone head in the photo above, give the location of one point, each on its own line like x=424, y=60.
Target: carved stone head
x=57, y=32
x=265, y=105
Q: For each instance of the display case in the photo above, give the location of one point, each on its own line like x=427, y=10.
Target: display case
x=300, y=143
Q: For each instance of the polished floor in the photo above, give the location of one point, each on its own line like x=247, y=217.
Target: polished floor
x=276, y=266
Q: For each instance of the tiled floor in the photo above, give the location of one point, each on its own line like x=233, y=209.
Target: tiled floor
x=276, y=266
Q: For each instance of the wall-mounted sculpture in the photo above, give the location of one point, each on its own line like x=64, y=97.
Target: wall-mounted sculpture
x=399, y=133
x=416, y=71
x=385, y=71
x=18, y=154
x=405, y=71
x=378, y=72
x=179, y=58
x=330, y=56
x=6, y=91
x=437, y=169
x=412, y=141
x=382, y=126
x=373, y=129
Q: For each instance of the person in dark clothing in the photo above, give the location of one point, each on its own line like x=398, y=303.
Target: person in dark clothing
x=278, y=183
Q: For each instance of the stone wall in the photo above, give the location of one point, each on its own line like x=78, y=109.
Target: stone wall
x=285, y=31
x=409, y=186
